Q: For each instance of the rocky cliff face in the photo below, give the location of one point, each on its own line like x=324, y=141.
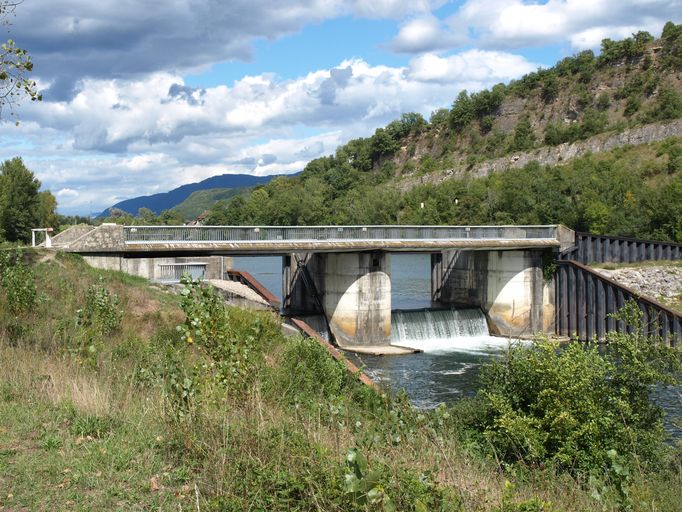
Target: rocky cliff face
x=550, y=155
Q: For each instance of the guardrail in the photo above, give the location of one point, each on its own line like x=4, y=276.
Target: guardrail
x=172, y=272
x=585, y=300
x=195, y=234
x=613, y=249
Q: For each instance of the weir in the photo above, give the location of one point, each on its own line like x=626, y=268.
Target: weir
x=416, y=326
x=344, y=272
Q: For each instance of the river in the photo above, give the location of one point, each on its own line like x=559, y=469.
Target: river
x=447, y=369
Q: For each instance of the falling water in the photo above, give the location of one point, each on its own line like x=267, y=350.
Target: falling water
x=443, y=330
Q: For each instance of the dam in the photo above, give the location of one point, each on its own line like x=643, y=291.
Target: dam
x=525, y=279
x=344, y=272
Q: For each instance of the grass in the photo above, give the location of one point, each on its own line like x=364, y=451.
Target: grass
x=102, y=431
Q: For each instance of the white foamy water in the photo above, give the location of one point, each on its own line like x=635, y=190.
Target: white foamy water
x=444, y=331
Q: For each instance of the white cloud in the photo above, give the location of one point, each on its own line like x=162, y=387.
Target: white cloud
x=426, y=33
x=592, y=37
x=122, y=138
x=66, y=192
x=475, y=67
x=501, y=24
x=515, y=23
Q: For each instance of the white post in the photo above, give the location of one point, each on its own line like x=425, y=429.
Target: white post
x=48, y=239
x=33, y=238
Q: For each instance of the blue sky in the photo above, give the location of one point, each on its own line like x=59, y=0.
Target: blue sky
x=144, y=96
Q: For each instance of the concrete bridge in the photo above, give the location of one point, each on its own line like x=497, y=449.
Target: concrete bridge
x=344, y=272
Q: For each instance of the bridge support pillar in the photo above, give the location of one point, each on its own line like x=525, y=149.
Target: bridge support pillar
x=507, y=285
x=354, y=290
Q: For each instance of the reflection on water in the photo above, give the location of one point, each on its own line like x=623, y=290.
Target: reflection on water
x=448, y=368
x=428, y=379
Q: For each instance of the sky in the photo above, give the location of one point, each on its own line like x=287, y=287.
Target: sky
x=142, y=96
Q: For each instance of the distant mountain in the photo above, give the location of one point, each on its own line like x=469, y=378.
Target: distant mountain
x=167, y=200
x=201, y=200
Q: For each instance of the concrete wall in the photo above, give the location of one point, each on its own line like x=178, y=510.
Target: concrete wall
x=507, y=285
x=107, y=237
x=298, y=298
x=355, y=292
x=149, y=267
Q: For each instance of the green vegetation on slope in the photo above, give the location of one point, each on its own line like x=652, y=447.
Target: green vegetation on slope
x=631, y=191
x=104, y=404
x=627, y=191
x=201, y=200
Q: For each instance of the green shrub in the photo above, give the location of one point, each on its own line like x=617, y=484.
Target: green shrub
x=668, y=105
x=101, y=309
x=18, y=282
x=570, y=405
x=307, y=372
x=232, y=343
x=524, y=136
x=632, y=105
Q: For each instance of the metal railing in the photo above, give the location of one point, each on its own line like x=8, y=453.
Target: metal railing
x=591, y=249
x=585, y=301
x=194, y=234
x=172, y=272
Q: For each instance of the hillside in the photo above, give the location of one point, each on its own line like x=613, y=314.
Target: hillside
x=201, y=200
x=553, y=146
x=168, y=200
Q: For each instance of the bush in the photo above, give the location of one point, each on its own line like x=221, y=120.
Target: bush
x=233, y=347
x=668, y=105
x=308, y=372
x=18, y=282
x=570, y=405
x=101, y=310
x=524, y=136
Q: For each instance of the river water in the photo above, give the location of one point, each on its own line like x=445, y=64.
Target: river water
x=448, y=367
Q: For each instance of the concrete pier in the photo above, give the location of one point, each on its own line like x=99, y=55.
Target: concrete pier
x=507, y=285
x=352, y=289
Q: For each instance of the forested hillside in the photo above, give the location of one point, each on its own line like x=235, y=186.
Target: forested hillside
x=628, y=191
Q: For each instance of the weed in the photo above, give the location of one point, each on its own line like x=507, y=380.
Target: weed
x=50, y=442
x=17, y=281
x=93, y=426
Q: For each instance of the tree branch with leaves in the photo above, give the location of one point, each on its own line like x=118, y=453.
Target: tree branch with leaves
x=15, y=66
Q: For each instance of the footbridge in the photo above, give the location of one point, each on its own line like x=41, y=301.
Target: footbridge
x=344, y=272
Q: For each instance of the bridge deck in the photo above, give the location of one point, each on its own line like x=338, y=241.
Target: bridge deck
x=260, y=239
x=288, y=239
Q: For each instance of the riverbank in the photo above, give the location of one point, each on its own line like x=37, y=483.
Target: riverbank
x=105, y=405
x=658, y=280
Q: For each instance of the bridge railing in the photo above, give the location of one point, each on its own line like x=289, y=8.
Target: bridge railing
x=193, y=234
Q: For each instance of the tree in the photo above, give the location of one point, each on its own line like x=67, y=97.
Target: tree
x=19, y=201
x=47, y=210
x=15, y=65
